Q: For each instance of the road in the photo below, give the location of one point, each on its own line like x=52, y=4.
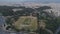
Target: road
x=2, y=21
x=57, y=31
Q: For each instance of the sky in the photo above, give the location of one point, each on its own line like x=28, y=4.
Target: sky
x=41, y=1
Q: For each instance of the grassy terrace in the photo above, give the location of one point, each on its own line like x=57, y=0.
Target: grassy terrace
x=26, y=22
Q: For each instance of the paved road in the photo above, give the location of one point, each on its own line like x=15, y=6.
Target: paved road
x=57, y=31
x=2, y=21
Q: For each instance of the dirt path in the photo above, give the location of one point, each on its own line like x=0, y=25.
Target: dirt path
x=49, y=31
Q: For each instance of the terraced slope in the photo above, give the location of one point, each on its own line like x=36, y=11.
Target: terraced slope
x=27, y=23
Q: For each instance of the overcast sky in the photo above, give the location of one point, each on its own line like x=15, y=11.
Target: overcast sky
x=41, y=1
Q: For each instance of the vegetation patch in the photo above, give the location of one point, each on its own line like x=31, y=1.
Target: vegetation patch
x=26, y=22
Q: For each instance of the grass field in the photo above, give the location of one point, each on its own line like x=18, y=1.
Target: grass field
x=26, y=22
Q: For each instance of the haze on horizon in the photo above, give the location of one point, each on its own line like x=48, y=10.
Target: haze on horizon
x=38, y=1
